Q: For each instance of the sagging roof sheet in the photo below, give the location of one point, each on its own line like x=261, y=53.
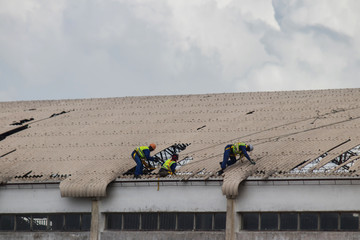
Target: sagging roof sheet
x=85, y=144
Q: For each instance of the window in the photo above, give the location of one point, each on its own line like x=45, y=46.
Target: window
x=56, y=222
x=288, y=221
x=114, y=221
x=185, y=221
x=39, y=222
x=349, y=221
x=149, y=221
x=322, y=221
x=131, y=221
x=269, y=221
x=308, y=221
x=219, y=221
x=85, y=222
x=23, y=222
x=167, y=221
x=45, y=222
x=329, y=221
x=250, y=221
x=7, y=223
x=203, y=221
x=72, y=222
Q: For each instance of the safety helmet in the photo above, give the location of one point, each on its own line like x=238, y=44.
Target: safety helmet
x=152, y=145
x=250, y=147
x=175, y=157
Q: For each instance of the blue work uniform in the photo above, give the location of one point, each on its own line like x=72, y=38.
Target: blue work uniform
x=138, y=154
x=231, y=151
x=168, y=167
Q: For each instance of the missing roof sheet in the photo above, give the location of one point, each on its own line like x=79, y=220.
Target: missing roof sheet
x=199, y=128
x=57, y=114
x=13, y=131
x=161, y=157
x=21, y=122
x=7, y=153
x=341, y=163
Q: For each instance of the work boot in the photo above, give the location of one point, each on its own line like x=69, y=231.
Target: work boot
x=137, y=176
x=252, y=162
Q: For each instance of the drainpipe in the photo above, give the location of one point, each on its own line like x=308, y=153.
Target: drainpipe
x=230, y=218
x=95, y=220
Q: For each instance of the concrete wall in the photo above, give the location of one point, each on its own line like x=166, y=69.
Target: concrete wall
x=108, y=235
x=314, y=195
x=298, y=236
x=39, y=198
x=163, y=235
x=43, y=236
x=171, y=197
x=187, y=196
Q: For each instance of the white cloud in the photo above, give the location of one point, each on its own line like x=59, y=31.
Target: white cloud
x=340, y=16
x=96, y=48
x=311, y=51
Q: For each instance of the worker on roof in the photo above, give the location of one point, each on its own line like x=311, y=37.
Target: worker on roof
x=142, y=153
x=231, y=151
x=169, y=166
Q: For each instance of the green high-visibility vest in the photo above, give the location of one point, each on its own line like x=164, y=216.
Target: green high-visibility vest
x=236, y=147
x=140, y=150
x=167, y=164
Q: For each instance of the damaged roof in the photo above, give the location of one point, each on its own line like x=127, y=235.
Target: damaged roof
x=85, y=144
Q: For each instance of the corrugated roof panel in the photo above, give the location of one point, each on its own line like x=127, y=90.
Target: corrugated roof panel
x=286, y=128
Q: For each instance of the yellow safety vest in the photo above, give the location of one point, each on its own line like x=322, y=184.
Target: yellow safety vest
x=140, y=150
x=167, y=164
x=236, y=147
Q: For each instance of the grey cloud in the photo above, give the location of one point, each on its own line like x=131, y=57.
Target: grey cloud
x=120, y=48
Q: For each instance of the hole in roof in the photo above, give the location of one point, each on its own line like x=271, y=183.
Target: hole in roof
x=21, y=122
x=57, y=114
x=7, y=153
x=12, y=131
x=161, y=157
x=201, y=127
x=341, y=163
x=57, y=175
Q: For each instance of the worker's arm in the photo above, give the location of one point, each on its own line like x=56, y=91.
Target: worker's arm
x=147, y=155
x=173, y=167
x=243, y=150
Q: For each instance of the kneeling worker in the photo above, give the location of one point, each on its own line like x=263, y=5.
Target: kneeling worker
x=140, y=153
x=169, y=166
x=231, y=151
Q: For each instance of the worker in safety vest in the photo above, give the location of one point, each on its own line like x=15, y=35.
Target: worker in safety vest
x=140, y=153
x=169, y=166
x=232, y=150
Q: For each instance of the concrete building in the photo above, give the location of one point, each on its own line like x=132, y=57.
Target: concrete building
x=64, y=164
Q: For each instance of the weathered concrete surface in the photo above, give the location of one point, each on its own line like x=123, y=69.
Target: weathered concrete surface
x=129, y=235
x=298, y=236
x=109, y=235
x=298, y=196
x=43, y=236
x=230, y=219
x=95, y=227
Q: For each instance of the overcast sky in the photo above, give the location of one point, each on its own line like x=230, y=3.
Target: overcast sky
x=68, y=49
